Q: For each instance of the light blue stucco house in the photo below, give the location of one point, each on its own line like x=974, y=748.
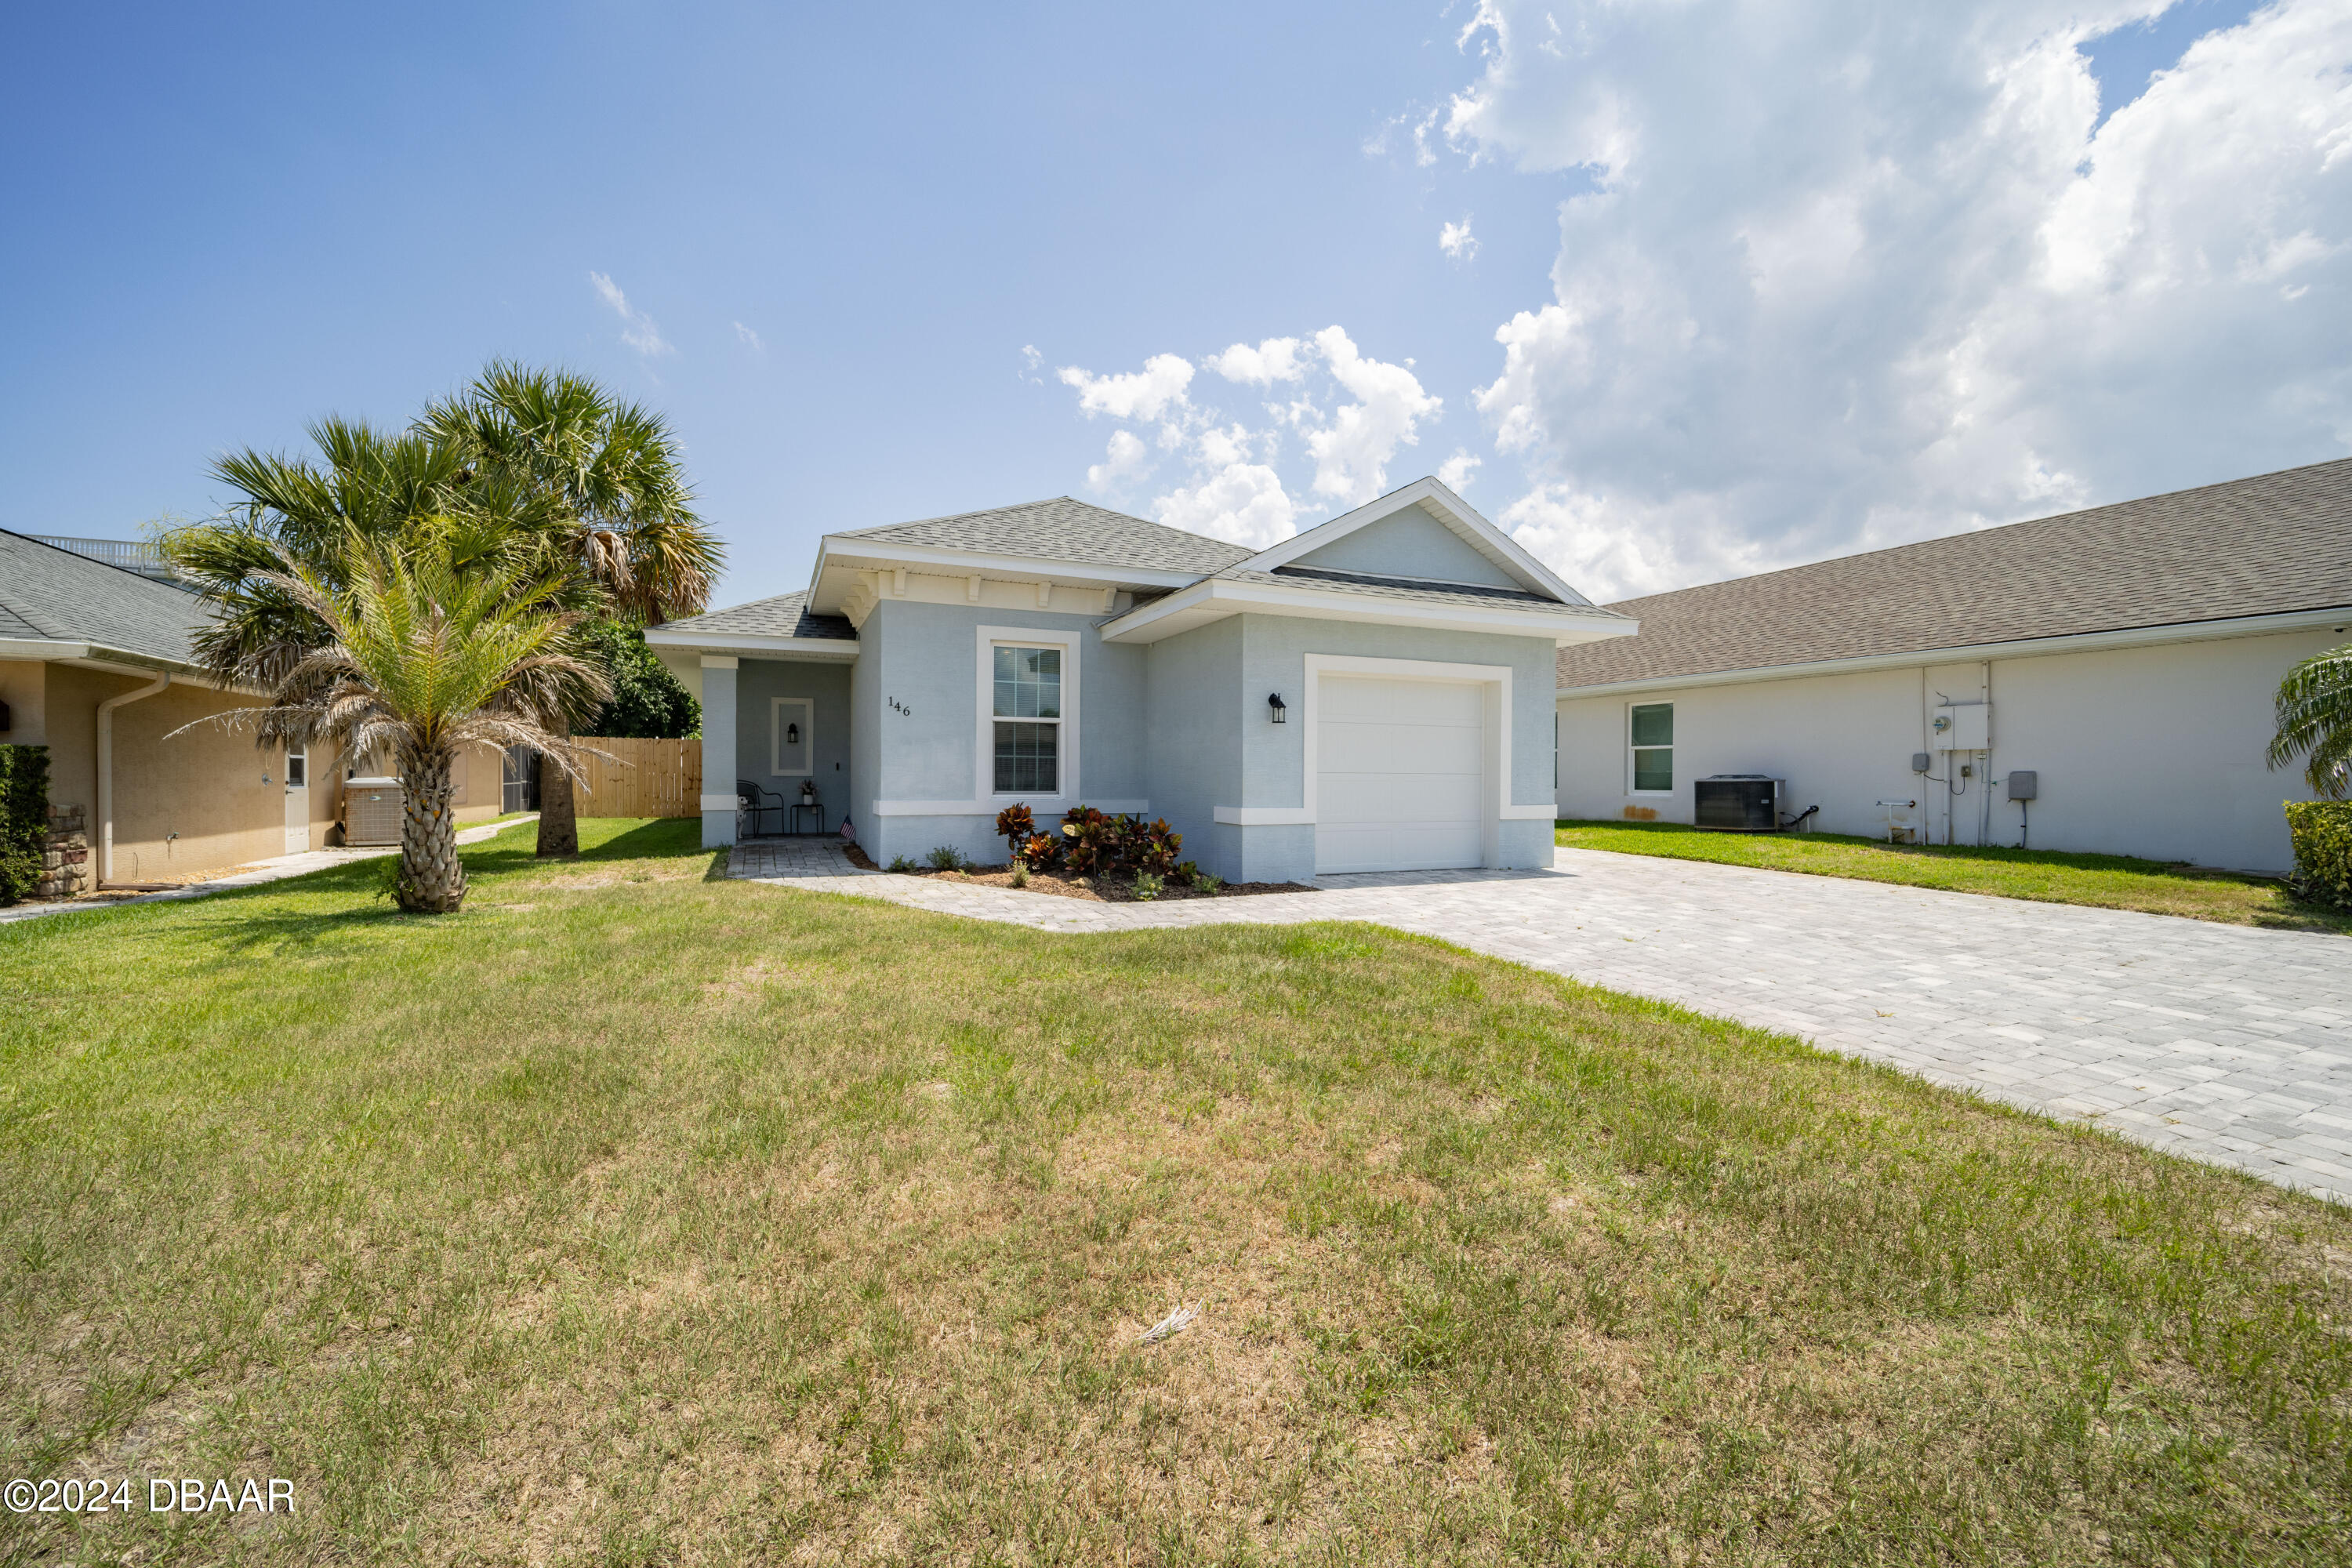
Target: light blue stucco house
x=1373, y=694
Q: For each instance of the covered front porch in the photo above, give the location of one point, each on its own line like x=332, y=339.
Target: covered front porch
x=774, y=685
x=775, y=747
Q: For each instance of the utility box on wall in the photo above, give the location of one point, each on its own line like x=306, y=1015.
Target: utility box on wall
x=1963, y=727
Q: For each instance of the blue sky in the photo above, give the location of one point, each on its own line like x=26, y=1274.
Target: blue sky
x=835, y=231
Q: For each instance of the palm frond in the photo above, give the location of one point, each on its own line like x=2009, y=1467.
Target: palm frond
x=2314, y=716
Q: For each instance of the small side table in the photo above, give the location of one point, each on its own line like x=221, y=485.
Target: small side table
x=815, y=808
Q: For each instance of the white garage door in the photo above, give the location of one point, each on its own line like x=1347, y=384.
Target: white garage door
x=1400, y=774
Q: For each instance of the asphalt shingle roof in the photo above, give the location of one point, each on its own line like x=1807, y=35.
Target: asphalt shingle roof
x=52, y=593
x=785, y=615
x=1065, y=530
x=2258, y=546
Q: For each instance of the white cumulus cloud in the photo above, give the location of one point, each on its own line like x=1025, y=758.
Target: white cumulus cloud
x=1124, y=458
x=1275, y=359
x=637, y=329
x=1456, y=472
x=1456, y=240
x=1832, y=285
x=1241, y=501
x=1353, y=451
x=1343, y=413
x=1147, y=393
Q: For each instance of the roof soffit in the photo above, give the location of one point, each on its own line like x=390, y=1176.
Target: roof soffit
x=841, y=562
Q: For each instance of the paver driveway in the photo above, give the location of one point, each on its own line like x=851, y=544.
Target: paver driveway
x=2221, y=1042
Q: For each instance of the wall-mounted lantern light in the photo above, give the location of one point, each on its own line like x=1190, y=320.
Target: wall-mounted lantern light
x=1276, y=710
x=792, y=735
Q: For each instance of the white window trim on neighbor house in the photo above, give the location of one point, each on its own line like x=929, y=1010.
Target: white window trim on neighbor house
x=988, y=801
x=1632, y=749
x=1495, y=678
x=805, y=717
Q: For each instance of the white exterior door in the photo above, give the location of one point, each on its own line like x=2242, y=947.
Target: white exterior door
x=1400, y=774
x=298, y=801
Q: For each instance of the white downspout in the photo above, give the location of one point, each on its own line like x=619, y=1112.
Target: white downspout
x=106, y=772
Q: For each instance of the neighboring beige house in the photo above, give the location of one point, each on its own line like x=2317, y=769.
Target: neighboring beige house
x=96, y=665
x=2118, y=664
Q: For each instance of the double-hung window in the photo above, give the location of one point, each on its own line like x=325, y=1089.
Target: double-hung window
x=1651, y=729
x=1028, y=712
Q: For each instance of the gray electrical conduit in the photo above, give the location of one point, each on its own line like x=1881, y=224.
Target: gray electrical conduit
x=106, y=771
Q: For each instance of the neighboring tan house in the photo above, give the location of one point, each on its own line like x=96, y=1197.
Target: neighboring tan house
x=1373, y=694
x=2116, y=664
x=96, y=664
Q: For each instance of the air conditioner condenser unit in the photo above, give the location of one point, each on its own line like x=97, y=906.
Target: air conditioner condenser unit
x=1736, y=803
x=372, y=811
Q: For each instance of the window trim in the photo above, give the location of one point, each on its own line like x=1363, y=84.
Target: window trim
x=776, y=722
x=297, y=754
x=1632, y=751
x=984, y=775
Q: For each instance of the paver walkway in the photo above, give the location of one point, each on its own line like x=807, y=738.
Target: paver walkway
x=275, y=869
x=2223, y=1042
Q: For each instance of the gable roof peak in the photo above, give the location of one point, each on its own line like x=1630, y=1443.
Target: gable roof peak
x=1435, y=498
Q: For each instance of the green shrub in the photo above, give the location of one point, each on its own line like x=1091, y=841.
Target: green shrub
x=24, y=819
x=648, y=700
x=1208, y=882
x=1148, y=885
x=900, y=863
x=946, y=858
x=2322, y=831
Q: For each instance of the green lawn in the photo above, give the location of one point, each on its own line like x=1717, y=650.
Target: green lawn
x=633, y=1217
x=2110, y=881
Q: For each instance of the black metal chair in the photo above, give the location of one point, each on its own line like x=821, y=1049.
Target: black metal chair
x=752, y=811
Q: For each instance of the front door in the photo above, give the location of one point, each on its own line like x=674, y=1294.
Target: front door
x=298, y=800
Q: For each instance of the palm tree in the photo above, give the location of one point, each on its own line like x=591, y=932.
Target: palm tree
x=298, y=516
x=2314, y=716
x=428, y=652
x=606, y=482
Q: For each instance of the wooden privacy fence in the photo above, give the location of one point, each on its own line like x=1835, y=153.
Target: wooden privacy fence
x=644, y=778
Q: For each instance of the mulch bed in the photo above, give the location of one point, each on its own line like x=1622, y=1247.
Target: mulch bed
x=1115, y=889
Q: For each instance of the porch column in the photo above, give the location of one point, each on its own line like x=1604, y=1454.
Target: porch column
x=718, y=751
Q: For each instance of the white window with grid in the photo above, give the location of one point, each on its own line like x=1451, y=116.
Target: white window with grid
x=1650, y=735
x=1028, y=715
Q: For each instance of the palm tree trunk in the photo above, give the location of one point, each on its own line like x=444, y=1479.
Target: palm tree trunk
x=559, y=813
x=432, y=879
